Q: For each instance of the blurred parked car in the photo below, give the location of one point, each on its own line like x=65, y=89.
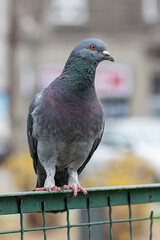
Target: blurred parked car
x=141, y=136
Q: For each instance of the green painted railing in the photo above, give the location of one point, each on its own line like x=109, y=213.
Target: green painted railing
x=28, y=202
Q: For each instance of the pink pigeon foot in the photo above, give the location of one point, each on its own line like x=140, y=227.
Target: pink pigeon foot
x=48, y=189
x=42, y=189
x=55, y=188
x=66, y=187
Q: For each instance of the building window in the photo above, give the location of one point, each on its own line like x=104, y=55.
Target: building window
x=70, y=12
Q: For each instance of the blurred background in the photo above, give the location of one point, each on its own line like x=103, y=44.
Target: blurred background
x=36, y=38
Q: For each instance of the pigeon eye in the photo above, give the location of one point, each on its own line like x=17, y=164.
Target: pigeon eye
x=92, y=47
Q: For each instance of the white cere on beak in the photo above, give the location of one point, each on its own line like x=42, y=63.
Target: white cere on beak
x=106, y=53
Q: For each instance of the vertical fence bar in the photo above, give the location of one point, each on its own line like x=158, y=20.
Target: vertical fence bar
x=130, y=216
x=44, y=220
x=21, y=219
x=110, y=217
x=68, y=220
x=151, y=225
x=89, y=218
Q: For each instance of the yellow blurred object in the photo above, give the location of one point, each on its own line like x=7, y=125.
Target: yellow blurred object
x=128, y=170
x=21, y=167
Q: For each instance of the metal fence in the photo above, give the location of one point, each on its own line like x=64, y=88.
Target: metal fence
x=29, y=202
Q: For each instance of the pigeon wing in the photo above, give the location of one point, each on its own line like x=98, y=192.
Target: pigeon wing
x=94, y=147
x=32, y=142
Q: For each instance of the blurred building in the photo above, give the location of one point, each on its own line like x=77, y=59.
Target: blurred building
x=43, y=33
x=5, y=123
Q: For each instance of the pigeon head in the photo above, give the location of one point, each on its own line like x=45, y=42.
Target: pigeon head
x=84, y=59
x=93, y=50
x=89, y=52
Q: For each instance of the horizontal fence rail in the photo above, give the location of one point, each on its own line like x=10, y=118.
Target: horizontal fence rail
x=29, y=202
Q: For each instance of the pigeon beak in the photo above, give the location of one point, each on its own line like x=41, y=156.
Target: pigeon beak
x=108, y=56
x=106, y=53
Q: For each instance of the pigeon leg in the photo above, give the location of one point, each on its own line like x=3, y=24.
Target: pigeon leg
x=73, y=183
x=50, y=181
x=49, y=184
x=48, y=161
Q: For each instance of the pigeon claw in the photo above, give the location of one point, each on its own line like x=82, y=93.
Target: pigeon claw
x=66, y=187
x=83, y=190
x=74, y=191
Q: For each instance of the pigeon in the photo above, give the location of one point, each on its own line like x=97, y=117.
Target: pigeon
x=66, y=120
